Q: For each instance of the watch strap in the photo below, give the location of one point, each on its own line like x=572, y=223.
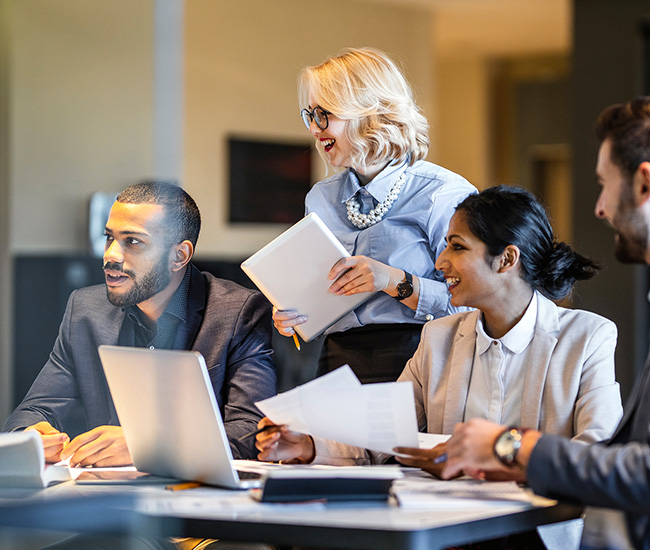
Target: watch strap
x=507, y=445
x=405, y=288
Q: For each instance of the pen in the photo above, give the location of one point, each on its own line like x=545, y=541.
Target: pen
x=440, y=458
x=296, y=341
x=183, y=486
x=258, y=431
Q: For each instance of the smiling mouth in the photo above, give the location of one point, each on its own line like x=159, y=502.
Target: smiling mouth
x=328, y=144
x=452, y=282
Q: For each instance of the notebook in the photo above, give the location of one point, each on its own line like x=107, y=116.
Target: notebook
x=291, y=271
x=167, y=408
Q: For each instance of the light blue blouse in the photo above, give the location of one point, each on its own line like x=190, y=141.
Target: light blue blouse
x=410, y=236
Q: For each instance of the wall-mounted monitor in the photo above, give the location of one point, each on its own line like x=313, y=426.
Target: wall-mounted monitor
x=268, y=180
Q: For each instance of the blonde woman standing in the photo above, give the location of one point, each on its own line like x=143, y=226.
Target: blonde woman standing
x=388, y=206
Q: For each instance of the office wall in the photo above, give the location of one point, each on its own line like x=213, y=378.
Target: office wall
x=242, y=60
x=463, y=117
x=81, y=113
x=5, y=255
x=607, y=68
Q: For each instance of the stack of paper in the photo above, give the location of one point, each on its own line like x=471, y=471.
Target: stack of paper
x=337, y=406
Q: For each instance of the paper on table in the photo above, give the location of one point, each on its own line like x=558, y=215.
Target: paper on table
x=336, y=406
x=422, y=493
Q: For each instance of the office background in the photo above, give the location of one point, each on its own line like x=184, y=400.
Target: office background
x=95, y=96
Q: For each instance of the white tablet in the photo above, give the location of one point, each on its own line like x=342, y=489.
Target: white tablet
x=292, y=272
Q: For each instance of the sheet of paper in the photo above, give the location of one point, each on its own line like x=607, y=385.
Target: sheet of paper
x=429, y=441
x=433, y=493
x=336, y=406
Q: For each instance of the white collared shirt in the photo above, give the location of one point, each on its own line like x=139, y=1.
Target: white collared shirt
x=496, y=385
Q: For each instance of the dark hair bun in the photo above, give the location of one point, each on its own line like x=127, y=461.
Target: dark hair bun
x=505, y=215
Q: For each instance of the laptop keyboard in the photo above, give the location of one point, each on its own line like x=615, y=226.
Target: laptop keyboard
x=245, y=474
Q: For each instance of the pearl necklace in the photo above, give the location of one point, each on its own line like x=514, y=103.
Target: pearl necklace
x=378, y=212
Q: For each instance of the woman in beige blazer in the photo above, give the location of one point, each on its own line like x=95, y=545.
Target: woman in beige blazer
x=517, y=357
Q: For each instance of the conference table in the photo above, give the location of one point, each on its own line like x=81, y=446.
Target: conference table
x=152, y=510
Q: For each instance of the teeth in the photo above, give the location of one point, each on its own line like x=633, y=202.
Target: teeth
x=328, y=142
x=452, y=281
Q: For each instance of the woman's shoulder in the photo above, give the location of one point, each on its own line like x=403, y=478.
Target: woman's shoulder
x=436, y=174
x=449, y=325
x=334, y=179
x=328, y=186
x=580, y=320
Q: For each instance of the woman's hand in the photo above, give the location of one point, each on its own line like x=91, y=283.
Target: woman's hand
x=285, y=319
x=280, y=443
x=424, y=458
x=356, y=274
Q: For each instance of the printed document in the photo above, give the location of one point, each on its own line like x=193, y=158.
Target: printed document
x=337, y=406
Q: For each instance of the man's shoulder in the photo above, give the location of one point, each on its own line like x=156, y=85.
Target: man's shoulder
x=91, y=296
x=225, y=290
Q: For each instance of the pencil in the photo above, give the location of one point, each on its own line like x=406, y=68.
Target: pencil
x=255, y=432
x=296, y=341
x=183, y=486
x=440, y=458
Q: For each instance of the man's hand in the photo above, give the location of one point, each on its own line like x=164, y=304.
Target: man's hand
x=53, y=440
x=471, y=449
x=280, y=443
x=101, y=446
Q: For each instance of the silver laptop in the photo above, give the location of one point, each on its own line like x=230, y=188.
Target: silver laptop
x=167, y=408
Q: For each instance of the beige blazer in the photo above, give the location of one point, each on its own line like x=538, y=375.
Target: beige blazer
x=570, y=387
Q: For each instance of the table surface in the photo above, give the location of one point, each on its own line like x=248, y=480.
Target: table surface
x=233, y=515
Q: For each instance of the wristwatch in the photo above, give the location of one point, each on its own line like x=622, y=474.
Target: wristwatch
x=507, y=446
x=405, y=288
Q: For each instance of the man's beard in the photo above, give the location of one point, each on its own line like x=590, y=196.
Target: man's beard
x=143, y=288
x=631, y=229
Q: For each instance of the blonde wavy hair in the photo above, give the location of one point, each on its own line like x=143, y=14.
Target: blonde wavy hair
x=364, y=87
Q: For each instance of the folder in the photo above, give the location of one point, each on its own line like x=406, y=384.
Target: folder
x=336, y=483
x=291, y=271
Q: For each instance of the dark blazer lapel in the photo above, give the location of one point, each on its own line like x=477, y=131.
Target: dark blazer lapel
x=460, y=371
x=547, y=327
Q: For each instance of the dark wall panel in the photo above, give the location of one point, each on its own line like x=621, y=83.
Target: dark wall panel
x=608, y=67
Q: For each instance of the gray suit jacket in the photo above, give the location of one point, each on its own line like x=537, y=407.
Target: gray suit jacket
x=615, y=474
x=230, y=326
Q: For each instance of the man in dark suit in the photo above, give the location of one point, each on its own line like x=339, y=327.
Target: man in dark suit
x=613, y=475
x=153, y=297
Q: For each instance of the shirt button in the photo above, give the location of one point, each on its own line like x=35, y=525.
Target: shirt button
x=429, y=317
x=494, y=342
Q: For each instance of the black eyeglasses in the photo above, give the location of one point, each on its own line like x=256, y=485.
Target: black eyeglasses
x=318, y=115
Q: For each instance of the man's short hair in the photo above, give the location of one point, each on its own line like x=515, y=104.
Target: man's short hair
x=627, y=126
x=181, y=213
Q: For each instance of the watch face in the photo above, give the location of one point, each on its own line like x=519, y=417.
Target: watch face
x=505, y=446
x=404, y=290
